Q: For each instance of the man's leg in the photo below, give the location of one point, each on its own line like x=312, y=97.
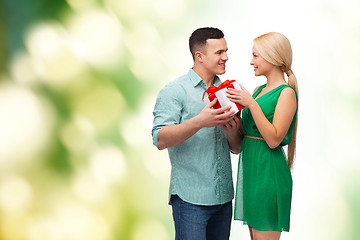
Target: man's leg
x=190, y=220
x=220, y=222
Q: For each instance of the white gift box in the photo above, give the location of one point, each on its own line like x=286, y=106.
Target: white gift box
x=223, y=100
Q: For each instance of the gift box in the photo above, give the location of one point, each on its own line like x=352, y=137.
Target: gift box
x=220, y=93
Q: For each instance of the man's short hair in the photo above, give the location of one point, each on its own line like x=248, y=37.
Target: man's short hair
x=199, y=36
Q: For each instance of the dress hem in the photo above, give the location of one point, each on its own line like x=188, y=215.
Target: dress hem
x=261, y=229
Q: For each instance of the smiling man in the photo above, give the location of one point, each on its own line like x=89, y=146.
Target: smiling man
x=199, y=140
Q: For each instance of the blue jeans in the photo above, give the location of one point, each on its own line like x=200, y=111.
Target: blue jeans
x=196, y=222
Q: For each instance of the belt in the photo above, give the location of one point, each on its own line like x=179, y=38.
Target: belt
x=258, y=138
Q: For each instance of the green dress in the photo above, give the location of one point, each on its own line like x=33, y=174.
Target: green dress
x=264, y=183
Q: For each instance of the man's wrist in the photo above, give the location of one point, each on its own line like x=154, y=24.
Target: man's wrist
x=195, y=122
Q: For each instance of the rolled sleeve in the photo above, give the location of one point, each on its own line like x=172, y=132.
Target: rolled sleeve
x=167, y=110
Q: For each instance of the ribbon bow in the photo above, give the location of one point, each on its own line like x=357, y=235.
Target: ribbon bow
x=213, y=89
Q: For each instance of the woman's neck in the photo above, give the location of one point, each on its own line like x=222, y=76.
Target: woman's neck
x=275, y=78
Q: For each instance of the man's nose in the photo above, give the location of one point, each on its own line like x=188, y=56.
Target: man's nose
x=225, y=57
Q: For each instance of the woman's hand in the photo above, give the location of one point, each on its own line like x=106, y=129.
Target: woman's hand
x=233, y=127
x=242, y=97
x=233, y=131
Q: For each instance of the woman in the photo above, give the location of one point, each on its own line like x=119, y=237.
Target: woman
x=264, y=183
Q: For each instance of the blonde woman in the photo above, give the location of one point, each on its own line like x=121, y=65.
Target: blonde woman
x=264, y=184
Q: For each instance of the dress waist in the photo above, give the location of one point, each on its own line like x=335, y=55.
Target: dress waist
x=258, y=138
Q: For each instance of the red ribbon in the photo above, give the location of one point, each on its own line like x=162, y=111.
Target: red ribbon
x=211, y=90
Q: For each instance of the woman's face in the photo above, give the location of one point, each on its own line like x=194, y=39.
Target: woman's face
x=261, y=66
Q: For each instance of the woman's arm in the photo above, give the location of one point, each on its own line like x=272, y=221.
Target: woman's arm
x=273, y=133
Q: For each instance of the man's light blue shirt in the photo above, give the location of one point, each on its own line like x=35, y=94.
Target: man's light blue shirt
x=200, y=166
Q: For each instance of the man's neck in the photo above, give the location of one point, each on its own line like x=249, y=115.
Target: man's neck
x=204, y=75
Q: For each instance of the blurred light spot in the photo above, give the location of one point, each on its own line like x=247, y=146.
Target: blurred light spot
x=15, y=194
x=350, y=124
x=87, y=188
x=12, y=225
x=142, y=51
x=158, y=164
x=347, y=80
x=43, y=228
x=150, y=229
x=101, y=105
x=98, y=38
x=55, y=62
x=145, y=71
x=133, y=131
x=23, y=69
x=68, y=221
x=78, y=222
x=108, y=165
x=78, y=4
x=78, y=135
x=133, y=9
x=169, y=10
x=146, y=111
x=44, y=39
x=321, y=191
x=142, y=30
x=24, y=125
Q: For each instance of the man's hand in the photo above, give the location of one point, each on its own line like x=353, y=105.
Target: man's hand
x=172, y=135
x=210, y=118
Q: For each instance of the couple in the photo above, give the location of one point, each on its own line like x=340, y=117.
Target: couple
x=200, y=139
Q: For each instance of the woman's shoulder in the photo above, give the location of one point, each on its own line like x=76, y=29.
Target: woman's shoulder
x=287, y=93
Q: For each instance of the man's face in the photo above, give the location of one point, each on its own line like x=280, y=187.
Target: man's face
x=214, y=56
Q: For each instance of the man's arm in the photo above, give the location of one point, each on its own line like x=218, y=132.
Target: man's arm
x=173, y=135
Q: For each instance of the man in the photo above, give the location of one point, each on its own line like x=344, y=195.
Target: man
x=198, y=139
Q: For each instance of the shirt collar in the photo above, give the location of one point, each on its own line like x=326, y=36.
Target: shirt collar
x=196, y=80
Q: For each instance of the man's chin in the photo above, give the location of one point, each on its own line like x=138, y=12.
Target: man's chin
x=221, y=72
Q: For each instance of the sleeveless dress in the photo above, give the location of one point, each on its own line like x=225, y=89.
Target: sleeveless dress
x=264, y=182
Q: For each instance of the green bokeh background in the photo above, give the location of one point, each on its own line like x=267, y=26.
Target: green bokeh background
x=78, y=81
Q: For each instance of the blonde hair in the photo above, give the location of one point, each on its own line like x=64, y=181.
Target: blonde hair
x=276, y=49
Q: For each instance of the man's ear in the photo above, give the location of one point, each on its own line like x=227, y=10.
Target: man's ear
x=199, y=56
